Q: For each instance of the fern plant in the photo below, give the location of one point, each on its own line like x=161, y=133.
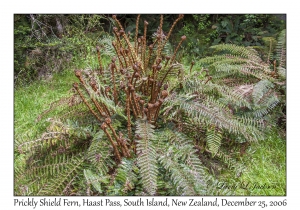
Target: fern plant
x=145, y=125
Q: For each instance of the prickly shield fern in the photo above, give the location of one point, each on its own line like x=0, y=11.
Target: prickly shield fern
x=140, y=126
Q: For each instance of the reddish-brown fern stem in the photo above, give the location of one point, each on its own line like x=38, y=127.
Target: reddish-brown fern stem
x=112, y=68
x=75, y=85
x=172, y=27
x=128, y=112
x=79, y=76
x=166, y=63
x=94, y=85
x=99, y=60
x=149, y=83
x=148, y=57
x=132, y=106
x=154, y=43
x=124, y=56
x=106, y=111
x=157, y=90
x=135, y=70
x=160, y=101
x=150, y=111
x=154, y=68
x=193, y=63
x=102, y=112
x=141, y=87
x=177, y=48
x=146, y=113
x=170, y=68
x=141, y=105
x=136, y=33
x=104, y=128
x=107, y=89
x=164, y=94
x=131, y=50
x=159, y=37
x=209, y=78
x=144, y=44
x=117, y=34
x=139, y=46
x=108, y=122
x=135, y=102
x=118, y=54
x=136, y=79
x=123, y=142
x=130, y=58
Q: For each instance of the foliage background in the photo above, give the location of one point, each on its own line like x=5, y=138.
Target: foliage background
x=44, y=43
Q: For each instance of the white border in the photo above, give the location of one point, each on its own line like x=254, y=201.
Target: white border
x=8, y=8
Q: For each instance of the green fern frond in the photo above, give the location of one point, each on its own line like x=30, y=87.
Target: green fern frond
x=260, y=89
x=48, y=167
x=227, y=94
x=179, y=175
x=100, y=153
x=105, y=44
x=210, y=113
x=230, y=162
x=245, y=52
x=95, y=179
x=180, y=150
x=147, y=157
x=59, y=184
x=281, y=49
x=213, y=139
x=170, y=72
x=126, y=178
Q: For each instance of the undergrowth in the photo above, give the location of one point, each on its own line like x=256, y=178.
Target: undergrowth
x=265, y=161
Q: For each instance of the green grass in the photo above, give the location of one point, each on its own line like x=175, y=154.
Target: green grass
x=265, y=161
x=266, y=167
x=31, y=101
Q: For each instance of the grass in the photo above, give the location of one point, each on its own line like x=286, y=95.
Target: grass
x=265, y=161
x=31, y=101
x=264, y=172
x=266, y=167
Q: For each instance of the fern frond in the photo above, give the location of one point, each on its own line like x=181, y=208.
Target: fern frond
x=171, y=72
x=180, y=149
x=126, y=178
x=213, y=139
x=227, y=94
x=210, y=112
x=260, y=89
x=230, y=162
x=147, y=157
x=95, y=179
x=100, y=154
x=60, y=182
x=106, y=46
x=179, y=175
x=281, y=49
x=245, y=52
